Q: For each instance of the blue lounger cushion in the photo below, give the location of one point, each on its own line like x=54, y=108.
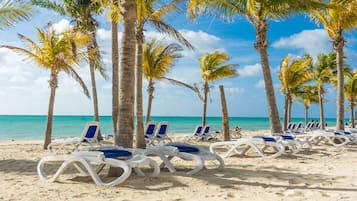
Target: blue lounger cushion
x=115, y=153
x=265, y=138
x=186, y=148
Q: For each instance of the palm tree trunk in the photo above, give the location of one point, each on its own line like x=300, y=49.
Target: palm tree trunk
x=261, y=45
x=290, y=104
x=115, y=70
x=205, y=91
x=352, y=116
x=286, y=112
x=306, y=114
x=140, y=139
x=225, y=121
x=124, y=136
x=321, y=103
x=53, y=86
x=338, y=46
x=150, y=97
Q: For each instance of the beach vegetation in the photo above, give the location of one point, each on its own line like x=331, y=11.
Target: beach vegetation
x=293, y=74
x=56, y=52
x=337, y=18
x=350, y=90
x=12, y=11
x=307, y=95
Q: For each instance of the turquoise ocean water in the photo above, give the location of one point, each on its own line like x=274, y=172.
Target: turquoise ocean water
x=33, y=127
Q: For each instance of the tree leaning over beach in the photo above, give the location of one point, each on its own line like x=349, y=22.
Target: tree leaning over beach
x=258, y=13
x=12, y=11
x=293, y=74
x=213, y=67
x=339, y=17
x=57, y=52
x=82, y=14
x=157, y=62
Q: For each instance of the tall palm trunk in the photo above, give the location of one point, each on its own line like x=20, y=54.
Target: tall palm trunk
x=53, y=86
x=115, y=67
x=338, y=46
x=286, y=107
x=124, y=136
x=205, y=91
x=225, y=121
x=140, y=139
x=321, y=103
x=306, y=114
x=261, y=45
x=150, y=97
x=352, y=116
x=290, y=104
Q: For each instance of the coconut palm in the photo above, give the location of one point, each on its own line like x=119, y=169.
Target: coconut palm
x=258, y=13
x=337, y=18
x=323, y=72
x=307, y=95
x=292, y=75
x=150, y=12
x=157, y=62
x=82, y=14
x=213, y=67
x=57, y=53
x=124, y=135
x=12, y=11
x=350, y=90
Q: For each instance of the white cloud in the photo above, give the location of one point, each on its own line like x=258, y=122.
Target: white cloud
x=312, y=42
x=61, y=26
x=250, y=70
x=234, y=90
x=260, y=84
x=104, y=34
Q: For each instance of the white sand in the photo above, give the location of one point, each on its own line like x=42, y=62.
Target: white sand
x=325, y=173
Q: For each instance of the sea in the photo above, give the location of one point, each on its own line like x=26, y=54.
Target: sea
x=32, y=127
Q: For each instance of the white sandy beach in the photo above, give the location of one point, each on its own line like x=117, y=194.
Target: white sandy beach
x=325, y=173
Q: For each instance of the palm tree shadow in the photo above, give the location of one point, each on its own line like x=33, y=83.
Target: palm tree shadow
x=27, y=167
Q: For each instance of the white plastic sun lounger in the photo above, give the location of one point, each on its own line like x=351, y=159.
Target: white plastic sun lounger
x=328, y=137
x=243, y=145
x=87, y=161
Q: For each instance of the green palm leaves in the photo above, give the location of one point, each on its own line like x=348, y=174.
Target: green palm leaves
x=12, y=11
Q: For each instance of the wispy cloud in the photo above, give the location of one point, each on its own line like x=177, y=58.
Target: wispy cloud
x=250, y=70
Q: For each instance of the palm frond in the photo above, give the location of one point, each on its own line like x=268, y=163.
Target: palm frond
x=194, y=88
x=75, y=75
x=12, y=11
x=51, y=5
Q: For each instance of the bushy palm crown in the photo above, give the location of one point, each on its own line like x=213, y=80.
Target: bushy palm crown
x=56, y=51
x=213, y=67
x=325, y=68
x=294, y=74
x=307, y=95
x=158, y=58
x=351, y=86
x=11, y=11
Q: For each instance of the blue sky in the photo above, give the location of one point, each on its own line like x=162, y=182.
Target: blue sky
x=24, y=86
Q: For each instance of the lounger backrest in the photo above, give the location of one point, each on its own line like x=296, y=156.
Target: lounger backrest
x=293, y=126
x=90, y=132
x=308, y=125
x=299, y=126
x=317, y=125
x=163, y=127
x=206, y=130
x=289, y=125
x=150, y=129
x=198, y=130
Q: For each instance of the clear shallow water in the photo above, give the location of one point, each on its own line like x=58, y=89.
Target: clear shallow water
x=33, y=127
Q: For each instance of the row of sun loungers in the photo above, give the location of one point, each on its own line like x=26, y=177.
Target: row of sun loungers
x=92, y=159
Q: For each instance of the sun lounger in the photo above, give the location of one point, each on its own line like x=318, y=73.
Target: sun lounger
x=92, y=162
x=327, y=137
x=89, y=137
x=241, y=146
x=160, y=135
x=150, y=132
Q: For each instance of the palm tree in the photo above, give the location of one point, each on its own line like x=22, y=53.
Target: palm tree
x=307, y=95
x=258, y=13
x=157, y=61
x=82, y=14
x=292, y=75
x=124, y=135
x=323, y=72
x=213, y=68
x=350, y=90
x=150, y=12
x=57, y=53
x=12, y=11
x=338, y=17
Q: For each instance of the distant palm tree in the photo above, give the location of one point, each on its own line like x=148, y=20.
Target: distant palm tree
x=213, y=67
x=12, y=11
x=293, y=74
x=258, y=13
x=350, y=90
x=57, y=53
x=150, y=12
x=82, y=14
x=338, y=17
x=157, y=61
x=307, y=95
x=323, y=72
